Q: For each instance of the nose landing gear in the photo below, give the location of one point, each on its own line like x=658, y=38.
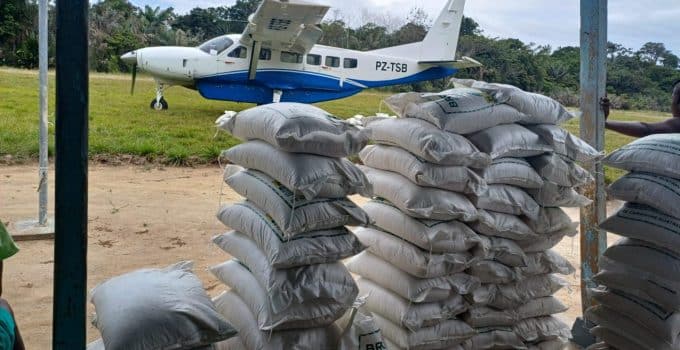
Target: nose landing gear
x=159, y=103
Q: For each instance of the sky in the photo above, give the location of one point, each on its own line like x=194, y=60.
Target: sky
x=545, y=22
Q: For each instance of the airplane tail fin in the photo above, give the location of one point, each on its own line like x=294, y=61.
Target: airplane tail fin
x=440, y=43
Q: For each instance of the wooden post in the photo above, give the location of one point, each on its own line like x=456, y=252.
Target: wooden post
x=593, y=87
x=70, y=246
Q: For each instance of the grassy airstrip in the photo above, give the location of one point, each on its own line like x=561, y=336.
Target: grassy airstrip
x=124, y=125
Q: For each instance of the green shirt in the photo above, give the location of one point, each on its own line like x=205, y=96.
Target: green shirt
x=7, y=246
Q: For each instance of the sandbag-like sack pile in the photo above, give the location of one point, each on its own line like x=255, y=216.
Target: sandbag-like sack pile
x=639, y=303
x=289, y=234
x=157, y=309
x=471, y=181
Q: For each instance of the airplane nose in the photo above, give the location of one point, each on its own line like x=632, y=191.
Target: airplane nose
x=130, y=57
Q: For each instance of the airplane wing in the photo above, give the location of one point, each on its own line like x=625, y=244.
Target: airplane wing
x=288, y=25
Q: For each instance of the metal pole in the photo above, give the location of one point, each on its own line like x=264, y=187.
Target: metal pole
x=44, y=161
x=70, y=247
x=593, y=87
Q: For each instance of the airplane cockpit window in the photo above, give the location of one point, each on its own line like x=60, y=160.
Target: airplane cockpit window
x=217, y=45
x=350, y=63
x=239, y=52
x=313, y=60
x=290, y=57
x=332, y=61
x=265, y=54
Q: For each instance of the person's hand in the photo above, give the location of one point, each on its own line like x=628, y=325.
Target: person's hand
x=606, y=107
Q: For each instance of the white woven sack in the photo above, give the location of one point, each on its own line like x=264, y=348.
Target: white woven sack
x=331, y=283
x=99, y=345
x=627, y=327
x=551, y=220
x=444, y=335
x=293, y=214
x=435, y=236
x=539, y=109
x=298, y=128
x=554, y=344
x=360, y=331
x=643, y=270
x=461, y=111
x=420, y=202
x=503, y=250
x=645, y=223
x=482, y=316
x=410, y=258
x=234, y=343
x=512, y=171
x=541, y=329
x=315, y=247
x=556, y=169
x=315, y=313
x=552, y=195
x=508, y=200
x=513, y=295
x=308, y=174
x=427, y=142
x=446, y=177
x=663, y=324
x=511, y=140
x=491, y=338
x=417, y=290
x=492, y=272
x=566, y=144
x=400, y=311
x=159, y=309
x=233, y=308
x=656, y=191
x=656, y=154
x=502, y=225
x=546, y=262
x=547, y=241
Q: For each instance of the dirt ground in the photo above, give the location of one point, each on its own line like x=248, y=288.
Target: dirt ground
x=139, y=217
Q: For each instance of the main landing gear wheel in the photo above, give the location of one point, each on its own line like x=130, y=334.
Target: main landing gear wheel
x=159, y=105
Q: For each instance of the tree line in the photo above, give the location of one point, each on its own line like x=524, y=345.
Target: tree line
x=637, y=79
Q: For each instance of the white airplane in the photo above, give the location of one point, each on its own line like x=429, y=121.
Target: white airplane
x=276, y=59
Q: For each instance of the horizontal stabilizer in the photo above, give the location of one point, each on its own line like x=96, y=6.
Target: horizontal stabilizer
x=466, y=62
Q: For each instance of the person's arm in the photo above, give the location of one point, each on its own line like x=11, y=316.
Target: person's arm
x=675, y=106
x=640, y=129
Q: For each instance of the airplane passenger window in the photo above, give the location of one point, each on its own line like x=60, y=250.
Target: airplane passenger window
x=332, y=61
x=290, y=57
x=239, y=52
x=218, y=45
x=314, y=60
x=350, y=63
x=265, y=54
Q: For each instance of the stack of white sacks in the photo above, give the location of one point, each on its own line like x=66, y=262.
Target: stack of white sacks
x=639, y=303
x=287, y=284
x=468, y=185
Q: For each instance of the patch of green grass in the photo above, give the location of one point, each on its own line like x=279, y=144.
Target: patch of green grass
x=121, y=124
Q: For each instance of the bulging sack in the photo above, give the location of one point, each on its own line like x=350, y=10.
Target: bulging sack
x=552, y=195
x=502, y=225
x=434, y=236
x=420, y=202
x=541, y=329
x=444, y=335
x=292, y=213
x=412, y=259
x=502, y=250
x=309, y=174
x=656, y=154
x=511, y=140
x=417, y=290
x=328, y=283
x=538, y=108
x=615, y=340
x=482, y=316
x=627, y=327
x=512, y=171
x=556, y=169
x=551, y=220
x=510, y=296
x=491, y=338
x=546, y=262
x=306, y=315
x=566, y=144
x=508, y=200
x=406, y=314
x=642, y=222
x=491, y=272
x=461, y=111
x=233, y=308
x=157, y=308
x=360, y=329
x=450, y=178
x=547, y=241
x=298, y=128
x=656, y=191
x=427, y=142
x=315, y=247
